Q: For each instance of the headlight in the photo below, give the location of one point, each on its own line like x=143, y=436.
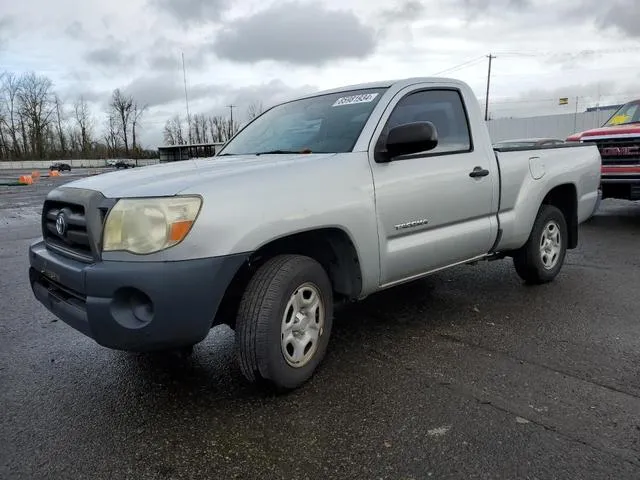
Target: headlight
x=148, y=225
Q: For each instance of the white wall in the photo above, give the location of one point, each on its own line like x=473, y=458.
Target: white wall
x=29, y=165
x=556, y=126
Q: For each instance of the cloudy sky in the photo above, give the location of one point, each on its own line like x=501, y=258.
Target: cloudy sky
x=241, y=51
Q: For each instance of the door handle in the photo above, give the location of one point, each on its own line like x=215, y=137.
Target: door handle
x=478, y=172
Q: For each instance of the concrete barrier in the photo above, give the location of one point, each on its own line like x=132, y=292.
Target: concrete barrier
x=86, y=163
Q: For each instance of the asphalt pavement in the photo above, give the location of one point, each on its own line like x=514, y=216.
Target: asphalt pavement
x=467, y=374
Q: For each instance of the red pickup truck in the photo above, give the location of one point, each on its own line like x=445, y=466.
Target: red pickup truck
x=619, y=143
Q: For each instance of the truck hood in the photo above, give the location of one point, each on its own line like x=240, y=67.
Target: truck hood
x=626, y=130
x=171, y=178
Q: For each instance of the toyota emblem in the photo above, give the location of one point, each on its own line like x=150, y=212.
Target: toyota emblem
x=61, y=224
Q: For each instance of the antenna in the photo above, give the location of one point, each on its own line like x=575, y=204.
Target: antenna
x=186, y=98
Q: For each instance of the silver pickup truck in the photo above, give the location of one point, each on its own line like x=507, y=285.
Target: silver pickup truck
x=321, y=200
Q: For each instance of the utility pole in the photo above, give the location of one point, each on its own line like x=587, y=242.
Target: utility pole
x=486, y=106
x=231, y=107
x=575, y=116
x=186, y=98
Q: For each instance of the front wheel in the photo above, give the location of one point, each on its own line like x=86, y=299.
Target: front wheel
x=541, y=258
x=284, y=321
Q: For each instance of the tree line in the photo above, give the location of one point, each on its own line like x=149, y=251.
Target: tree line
x=203, y=128
x=35, y=123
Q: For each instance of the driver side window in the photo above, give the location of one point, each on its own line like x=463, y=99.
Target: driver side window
x=444, y=109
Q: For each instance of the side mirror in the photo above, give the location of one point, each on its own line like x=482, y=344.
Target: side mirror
x=410, y=138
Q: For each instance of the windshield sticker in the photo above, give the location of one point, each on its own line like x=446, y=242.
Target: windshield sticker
x=352, y=99
x=618, y=119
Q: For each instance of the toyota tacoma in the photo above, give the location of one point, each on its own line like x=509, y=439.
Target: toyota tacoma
x=318, y=201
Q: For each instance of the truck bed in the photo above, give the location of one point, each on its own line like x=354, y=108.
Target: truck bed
x=522, y=170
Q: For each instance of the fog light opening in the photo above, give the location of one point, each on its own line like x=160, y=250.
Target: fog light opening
x=132, y=308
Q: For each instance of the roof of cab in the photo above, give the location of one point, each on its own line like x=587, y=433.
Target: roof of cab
x=397, y=83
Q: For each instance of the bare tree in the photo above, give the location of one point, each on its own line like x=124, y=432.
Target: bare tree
x=112, y=134
x=173, y=133
x=74, y=139
x=59, y=125
x=36, y=123
x=36, y=106
x=136, y=115
x=232, y=126
x=255, y=109
x=122, y=106
x=85, y=123
x=10, y=107
x=218, y=128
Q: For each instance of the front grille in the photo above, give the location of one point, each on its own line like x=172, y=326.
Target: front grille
x=74, y=239
x=618, y=151
x=84, y=212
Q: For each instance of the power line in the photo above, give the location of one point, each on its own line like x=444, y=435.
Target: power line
x=459, y=66
x=512, y=100
x=587, y=52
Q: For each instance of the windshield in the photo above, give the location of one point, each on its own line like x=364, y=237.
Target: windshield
x=322, y=124
x=629, y=113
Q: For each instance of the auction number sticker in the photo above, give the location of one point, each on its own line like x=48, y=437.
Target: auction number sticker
x=350, y=100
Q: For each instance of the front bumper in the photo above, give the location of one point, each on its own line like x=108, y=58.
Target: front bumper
x=620, y=186
x=135, y=306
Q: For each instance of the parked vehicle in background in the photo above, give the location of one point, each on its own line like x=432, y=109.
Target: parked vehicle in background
x=529, y=142
x=124, y=164
x=61, y=167
x=324, y=199
x=619, y=143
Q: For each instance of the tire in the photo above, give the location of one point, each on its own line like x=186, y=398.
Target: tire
x=534, y=265
x=264, y=353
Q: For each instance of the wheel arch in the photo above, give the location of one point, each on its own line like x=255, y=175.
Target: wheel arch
x=565, y=198
x=332, y=247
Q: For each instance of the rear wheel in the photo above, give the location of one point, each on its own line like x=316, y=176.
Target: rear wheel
x=284, y=321
x=541, y=258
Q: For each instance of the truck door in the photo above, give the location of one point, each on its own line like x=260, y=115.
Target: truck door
x=434, y=208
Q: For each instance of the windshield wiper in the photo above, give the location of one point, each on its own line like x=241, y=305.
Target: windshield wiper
x=278, y=152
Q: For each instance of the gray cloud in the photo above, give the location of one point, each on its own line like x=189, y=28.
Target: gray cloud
x=303, y=34
x=480, y=5
x=622, y=14
x=113, y=54
x=75, y=30
x=164, y=62
x=107, y=57
x=164, y=55
x=6, y=23
x=407, y=11
x=154, y=90
x=193, y=11
x=6, y=27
